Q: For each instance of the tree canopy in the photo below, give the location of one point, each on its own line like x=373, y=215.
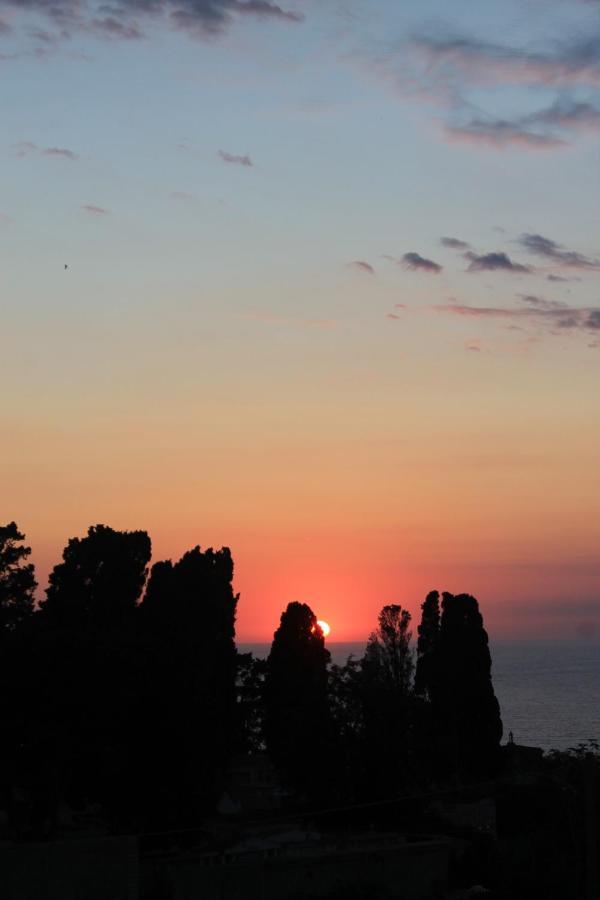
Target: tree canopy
x=388, y=657
x=455, y=672
x=131, y=693
x=100, y=579
x=427, y=644
x=297, y=720
x=17, y=579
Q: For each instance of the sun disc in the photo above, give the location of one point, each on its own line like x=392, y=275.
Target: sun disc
x=324, y=626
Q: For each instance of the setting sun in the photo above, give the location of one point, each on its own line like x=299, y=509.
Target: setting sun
x=324, y=626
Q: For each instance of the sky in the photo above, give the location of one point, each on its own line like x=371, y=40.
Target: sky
x=331, y=297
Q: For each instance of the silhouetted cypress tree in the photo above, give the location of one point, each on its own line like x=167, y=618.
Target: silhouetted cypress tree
x=100, y=579
x=297, y=721
x=464, y=699
x=429, y=631
x=188, y=714
x=87, y=658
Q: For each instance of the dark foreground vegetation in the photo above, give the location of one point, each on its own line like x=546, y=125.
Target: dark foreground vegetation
x=126, y=706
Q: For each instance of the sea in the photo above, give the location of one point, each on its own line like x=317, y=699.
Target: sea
x=549, y=691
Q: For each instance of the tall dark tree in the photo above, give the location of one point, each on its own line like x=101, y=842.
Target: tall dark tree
x=297, y=721
x=87, y=659
x=100, y=579
x=17, y=579
x=388, y=652
x=387, y=668
x=17, y=670
x=194, y=596
x=464, y=700
x=427, y=645
x=188, y=720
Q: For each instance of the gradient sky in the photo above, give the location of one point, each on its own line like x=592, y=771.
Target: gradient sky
x=262, y=339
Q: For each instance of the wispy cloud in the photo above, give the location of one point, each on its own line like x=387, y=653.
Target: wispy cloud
x=494, y=262
x=417, y=263
x=541, y=302
x=60, y=151
x=93, y=210
x=213, y=16
x=539, y=245
x=115, y=29
x=546, y=128
x=235, y=159
x=454, y=243
x=566, y=112
x=555, y=319
x=475, y=83
x=560, y=279
x=500, y=133
x=125, y=19
x=27, y=148
x=24, y=148
x=462, y=58
x=362, y=266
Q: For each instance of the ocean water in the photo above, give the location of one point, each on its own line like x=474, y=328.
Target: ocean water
x=549, y=691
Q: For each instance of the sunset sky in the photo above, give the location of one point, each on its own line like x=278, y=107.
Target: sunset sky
x=332, y=296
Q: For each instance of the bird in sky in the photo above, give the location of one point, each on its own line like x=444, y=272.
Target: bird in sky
x=66, y=267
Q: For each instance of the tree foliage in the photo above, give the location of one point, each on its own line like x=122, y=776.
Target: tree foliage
x=462, y=694
x=250, y=683
x=297, y=720
x=388, y=658
x=100, y=579
x=137, y=706
x=188, y=724
x=427, y=645
x=17, y=579
x=386, y=671
x=87, y=649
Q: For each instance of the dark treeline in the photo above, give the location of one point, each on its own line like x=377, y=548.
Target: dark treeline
x=123, y=691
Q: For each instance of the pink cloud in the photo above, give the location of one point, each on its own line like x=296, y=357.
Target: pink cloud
x=557, y=320
x=500, y=135
x=362, y=266
x=94, y=210
x=235, y=159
